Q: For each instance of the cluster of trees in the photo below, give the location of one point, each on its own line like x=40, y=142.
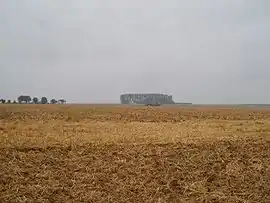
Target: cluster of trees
x=3, y=101
x=35, y=100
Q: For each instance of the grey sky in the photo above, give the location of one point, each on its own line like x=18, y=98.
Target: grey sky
x=92, y=50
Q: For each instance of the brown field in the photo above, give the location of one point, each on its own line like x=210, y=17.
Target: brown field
x=99, y=153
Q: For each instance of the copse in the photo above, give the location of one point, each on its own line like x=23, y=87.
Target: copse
x=24, y=99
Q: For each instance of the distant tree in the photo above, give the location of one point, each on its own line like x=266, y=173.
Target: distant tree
x=44, y=100
x=24, y=99
x=53, y=101
x=9, y=101
x=2, y=101
x=14, y=102
x=35, y=100
x=62, y=101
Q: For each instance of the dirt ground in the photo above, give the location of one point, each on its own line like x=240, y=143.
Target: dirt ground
x=99, y=153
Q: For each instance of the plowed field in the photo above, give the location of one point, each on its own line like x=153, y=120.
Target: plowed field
x=99, y=153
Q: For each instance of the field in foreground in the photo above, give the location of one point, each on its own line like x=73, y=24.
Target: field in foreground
x=81, y=153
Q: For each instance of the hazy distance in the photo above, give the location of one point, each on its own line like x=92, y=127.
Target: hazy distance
x=92, y=51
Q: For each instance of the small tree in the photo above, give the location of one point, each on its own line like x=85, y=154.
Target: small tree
x=35, y=100
x=3, y=101
x=44, y=100
x=53, y=101
x=9, y=101
x=62, y=101
x=14, y=102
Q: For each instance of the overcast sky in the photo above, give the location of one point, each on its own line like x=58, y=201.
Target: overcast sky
x=93, y=50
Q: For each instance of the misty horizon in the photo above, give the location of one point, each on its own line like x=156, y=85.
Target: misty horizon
x=208, y=52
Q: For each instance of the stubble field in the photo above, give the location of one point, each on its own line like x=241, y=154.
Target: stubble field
x=106, y=153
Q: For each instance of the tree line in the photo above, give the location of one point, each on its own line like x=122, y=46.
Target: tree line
x=24, y=99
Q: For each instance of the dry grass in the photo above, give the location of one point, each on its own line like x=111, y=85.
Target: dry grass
x=83, y=153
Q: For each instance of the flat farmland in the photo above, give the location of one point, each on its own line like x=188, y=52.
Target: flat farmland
x=117, y=153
